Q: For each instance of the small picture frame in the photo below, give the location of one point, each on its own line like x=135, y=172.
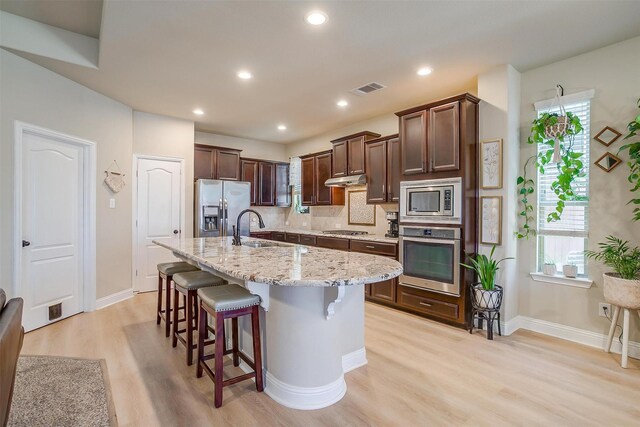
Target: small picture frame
x=491, y=220
x=607, y=136
x=491, y=164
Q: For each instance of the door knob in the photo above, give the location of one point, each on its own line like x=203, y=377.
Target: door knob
x=25, y=243
x=175, y=231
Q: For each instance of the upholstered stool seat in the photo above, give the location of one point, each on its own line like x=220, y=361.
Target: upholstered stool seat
x=166, y=270
x=188, y=284
x=228, y=302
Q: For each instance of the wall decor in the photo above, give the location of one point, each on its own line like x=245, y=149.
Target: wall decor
x=115, y=178
x=608, y=162
x=491, y=164
x=607, y=136
x=360, y=213
x=491, y=220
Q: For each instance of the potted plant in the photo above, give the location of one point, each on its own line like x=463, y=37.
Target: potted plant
x=621, y=287
x=549, y=267
x=485, y=294
x=570, y=270
x=556, y=132
x=634, y=162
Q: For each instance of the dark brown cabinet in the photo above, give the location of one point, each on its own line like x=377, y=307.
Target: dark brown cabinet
x=348, y=154
x=266, y=183
x=413, y=141
x=316, y=169
x=444, y=139
x=249, y=170
x=382, y=159
x=381, y=291
x=216, y=163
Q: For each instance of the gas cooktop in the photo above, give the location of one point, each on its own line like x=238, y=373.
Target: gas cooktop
x=346, y=232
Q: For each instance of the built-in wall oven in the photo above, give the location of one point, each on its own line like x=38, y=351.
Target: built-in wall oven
x=431, y=201
x=430, y=258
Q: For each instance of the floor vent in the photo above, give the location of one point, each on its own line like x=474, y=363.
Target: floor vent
x=368, y=88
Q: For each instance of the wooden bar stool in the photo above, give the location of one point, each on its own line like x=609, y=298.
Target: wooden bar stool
x=228, y=302
x=188, y=284
x=166, y=271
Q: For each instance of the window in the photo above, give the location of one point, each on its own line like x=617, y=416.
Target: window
x=564, y=241
x=295, y=178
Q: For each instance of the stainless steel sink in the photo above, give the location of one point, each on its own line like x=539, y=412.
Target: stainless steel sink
x=254, y=244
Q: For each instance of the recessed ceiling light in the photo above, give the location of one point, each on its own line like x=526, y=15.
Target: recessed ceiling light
x=424, y=71
x=245, y=75
x=198, y=112
x=342, y=103
x=316, y=17
x=282, y=127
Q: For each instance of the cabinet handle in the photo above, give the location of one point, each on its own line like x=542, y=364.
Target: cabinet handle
x=370, y=247
x=426, y=304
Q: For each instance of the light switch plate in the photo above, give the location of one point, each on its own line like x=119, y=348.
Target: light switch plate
x=112, y=203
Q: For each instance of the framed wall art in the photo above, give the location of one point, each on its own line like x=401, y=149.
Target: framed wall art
x=491, y=164
x=360, y=213
x=491, y=220
x=607, y=136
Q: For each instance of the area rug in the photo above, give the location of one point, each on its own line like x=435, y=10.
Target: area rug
x=61, y=391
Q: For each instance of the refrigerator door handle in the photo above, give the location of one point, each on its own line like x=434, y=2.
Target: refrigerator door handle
x=221, y=226
x=226, y=217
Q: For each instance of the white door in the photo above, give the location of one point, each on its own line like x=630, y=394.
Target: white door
x=159, y=200
x=53, y=207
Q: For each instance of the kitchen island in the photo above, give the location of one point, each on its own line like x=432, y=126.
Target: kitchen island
x=313, y=300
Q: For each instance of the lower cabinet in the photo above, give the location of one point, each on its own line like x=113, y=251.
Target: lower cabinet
x=292, y=238
x=332, y=243
x=422, y=301
x=278, y=236
x=261, y=235
x=384, y=291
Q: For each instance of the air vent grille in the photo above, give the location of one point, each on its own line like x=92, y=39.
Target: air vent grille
x=368, y=88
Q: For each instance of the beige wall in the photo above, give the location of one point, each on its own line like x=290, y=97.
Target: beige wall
x=250, y=148
x=613, y=73
x=168, y=137
x=37, y=96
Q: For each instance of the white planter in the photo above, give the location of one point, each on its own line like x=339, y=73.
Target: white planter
x=622, y=292
x=549, y=269
x=570, y=270
x=487, y=299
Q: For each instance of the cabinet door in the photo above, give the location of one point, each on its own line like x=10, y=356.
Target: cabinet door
x=267, y=180
x=385, y=291
x=203, y=162
x=322, y=173
x=355, y=151
x=376, y=161
x=444, y=140
x=283, y=191
x=228, y=165
x=250, y=174
x=340, y=159
x=393, y=170
x=308, y=180
x=413, y=139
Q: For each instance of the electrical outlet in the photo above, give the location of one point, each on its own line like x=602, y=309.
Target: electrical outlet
x=604, y=309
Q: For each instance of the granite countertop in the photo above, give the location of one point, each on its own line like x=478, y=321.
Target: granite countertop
x=285, y=264
x=368, y=237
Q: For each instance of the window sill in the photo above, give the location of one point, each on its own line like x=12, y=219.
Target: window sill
x=577, y=282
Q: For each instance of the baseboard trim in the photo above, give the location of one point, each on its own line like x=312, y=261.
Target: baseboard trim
x=354, y=360
x=305, y=398
x=569, y=333
x=113, y=298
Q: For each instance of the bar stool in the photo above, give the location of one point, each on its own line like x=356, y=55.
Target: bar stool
x=228, y=302
x=166, y=271
x=188, y=284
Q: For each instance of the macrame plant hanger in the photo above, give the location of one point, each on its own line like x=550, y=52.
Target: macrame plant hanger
x=556, y=131
x=115, y=178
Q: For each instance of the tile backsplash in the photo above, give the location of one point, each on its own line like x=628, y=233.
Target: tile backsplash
x=321, y=218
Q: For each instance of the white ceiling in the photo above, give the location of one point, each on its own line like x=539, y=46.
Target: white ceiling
x=169, y=57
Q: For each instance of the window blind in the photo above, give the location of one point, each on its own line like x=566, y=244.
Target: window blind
x=574, y=219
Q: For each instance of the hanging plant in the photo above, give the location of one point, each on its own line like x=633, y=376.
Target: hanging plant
x=557, y=132
x=634, y=163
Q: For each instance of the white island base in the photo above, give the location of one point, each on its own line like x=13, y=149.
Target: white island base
x=309, y=341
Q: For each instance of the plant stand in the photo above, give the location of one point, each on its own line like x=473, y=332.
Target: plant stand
x=485, y=305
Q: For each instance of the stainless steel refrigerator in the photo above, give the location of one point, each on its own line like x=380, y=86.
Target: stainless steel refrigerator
x=217, y=205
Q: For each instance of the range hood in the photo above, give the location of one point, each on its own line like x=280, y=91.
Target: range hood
x=346, y=181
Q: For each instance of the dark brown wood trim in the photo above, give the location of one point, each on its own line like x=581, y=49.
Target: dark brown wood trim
x=355, y=135
x=382, y=138
x=216, y=147
x=465, y=96
x=306, y=156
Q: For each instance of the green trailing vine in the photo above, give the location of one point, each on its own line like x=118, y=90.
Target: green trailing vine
x=569, y=168
x=634, y=163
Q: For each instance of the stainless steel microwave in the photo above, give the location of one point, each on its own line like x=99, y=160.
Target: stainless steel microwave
x=431, y=201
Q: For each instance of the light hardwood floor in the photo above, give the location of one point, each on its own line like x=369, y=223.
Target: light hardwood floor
x=419, y=373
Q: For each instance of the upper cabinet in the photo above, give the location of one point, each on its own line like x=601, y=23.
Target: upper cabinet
x=316, y=169
x=432, y=136
x=216, y=163
x=382, y=159
x=348, y=154
x=269, y=182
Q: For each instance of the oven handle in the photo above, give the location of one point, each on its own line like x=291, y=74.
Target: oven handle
x=453, y=242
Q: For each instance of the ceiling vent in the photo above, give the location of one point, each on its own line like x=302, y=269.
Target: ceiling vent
x=368, y=88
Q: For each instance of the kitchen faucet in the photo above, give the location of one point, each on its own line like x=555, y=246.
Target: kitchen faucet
x=236, y=228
